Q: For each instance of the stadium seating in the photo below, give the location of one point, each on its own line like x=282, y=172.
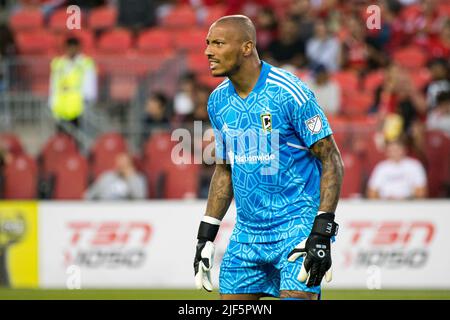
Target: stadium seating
x=56, y=148
x=26, y=20
x=353, y=177
x=438, y=166
x=181, y=181
x=154, y=39
x=117, y=41
x=347, y=80
x=410, y=57
x=102, y=18
x=11, y=143
x=198, y=63
x=373, y=80
x=20, y=178
x=356, y=103
x=37, y=42
x=58, y=21
x=180, y=17
x=71, y=178
x=193, y=40
x=157, y=156
x=214, y=13
x=104, y=152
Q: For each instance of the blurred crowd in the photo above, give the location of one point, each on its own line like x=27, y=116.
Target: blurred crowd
x=393, y=78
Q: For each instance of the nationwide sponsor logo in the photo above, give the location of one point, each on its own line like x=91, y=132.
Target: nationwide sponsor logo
x=254, y=158
x=389, y=244
x=109, y=244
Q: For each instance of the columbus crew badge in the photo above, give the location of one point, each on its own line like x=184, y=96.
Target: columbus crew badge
x=266, y=120
x=314, y=124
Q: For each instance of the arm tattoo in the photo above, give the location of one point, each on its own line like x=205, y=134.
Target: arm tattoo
x=332, y=172
x=220, y=192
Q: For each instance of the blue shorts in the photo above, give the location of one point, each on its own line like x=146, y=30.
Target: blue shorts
x=261, y=268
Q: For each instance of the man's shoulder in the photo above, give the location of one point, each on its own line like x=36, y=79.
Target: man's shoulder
x=289, y=85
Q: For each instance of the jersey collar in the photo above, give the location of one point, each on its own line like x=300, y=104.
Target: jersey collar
x=265, y=68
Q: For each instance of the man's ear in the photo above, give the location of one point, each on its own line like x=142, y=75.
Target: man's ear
x=247, y=48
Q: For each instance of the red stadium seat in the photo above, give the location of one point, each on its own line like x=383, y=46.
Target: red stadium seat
x=11, y=143
x=55, y=149
x=193, y=40
x=214, y=13
x=105, y=150
x=157, y=157
x=373, y=80
x=102, y=18
x=198, y=63
x=181, y=17
x=20, y=177
x=347, y=80
x=26, y=20
x=117, y=41
x=356, y=103
x=38, y=42
x=353, y=178
x=438, y=166
x=58, y=21
x=410, y=57
x=71, y=177
x=181, y=181
x=154, y=40
x=420, y=78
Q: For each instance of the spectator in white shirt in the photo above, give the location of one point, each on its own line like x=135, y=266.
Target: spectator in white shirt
x=123, y=183
x=439, y=117
x=398, y=177
x=324, y=48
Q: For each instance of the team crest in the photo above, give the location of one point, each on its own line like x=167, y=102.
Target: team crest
x=314, y=124
x=266, y=120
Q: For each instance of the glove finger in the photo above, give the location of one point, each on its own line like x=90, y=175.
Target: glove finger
x=207, y=281
x=208, y=255
x=295, y=254
x=313, y=274
x=199, y=277
x=303, y=276
x=329, y=275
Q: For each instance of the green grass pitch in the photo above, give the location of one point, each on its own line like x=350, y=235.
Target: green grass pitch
x=182, y=294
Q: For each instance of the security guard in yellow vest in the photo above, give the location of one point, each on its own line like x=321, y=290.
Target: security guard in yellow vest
x=73, y=83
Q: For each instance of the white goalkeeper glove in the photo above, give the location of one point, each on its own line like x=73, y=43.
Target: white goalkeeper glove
x=204, y=255
x=316, y=250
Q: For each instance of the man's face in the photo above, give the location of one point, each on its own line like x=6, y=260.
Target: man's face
x=72, y=50
x=224, y=50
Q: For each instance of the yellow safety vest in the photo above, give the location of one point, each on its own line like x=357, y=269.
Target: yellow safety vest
x=67, y=79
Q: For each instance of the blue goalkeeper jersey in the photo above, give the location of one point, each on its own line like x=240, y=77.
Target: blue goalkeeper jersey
x=266, y=139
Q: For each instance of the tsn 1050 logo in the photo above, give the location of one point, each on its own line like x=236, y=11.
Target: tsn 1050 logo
x=108, y=244
x=389, y=244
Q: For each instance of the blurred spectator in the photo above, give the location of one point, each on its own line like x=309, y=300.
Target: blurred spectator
x=249, y=8
x=123, y=183
x=440, y=81
x=327, y=91
x=267, y=26
x=184, y=98
x=5, y=158
x=73, y=84
x=355, y=50
x=439, y=117
x=136, y=14
x=423, y=24
x=323, y=48
x=439, y=46
x=87, y=4
x=398, y=177
x=300, y=11
x=156, y=111
x=288, y=50
x=401, y=100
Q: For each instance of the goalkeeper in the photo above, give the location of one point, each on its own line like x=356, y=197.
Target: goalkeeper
x=276, y=155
